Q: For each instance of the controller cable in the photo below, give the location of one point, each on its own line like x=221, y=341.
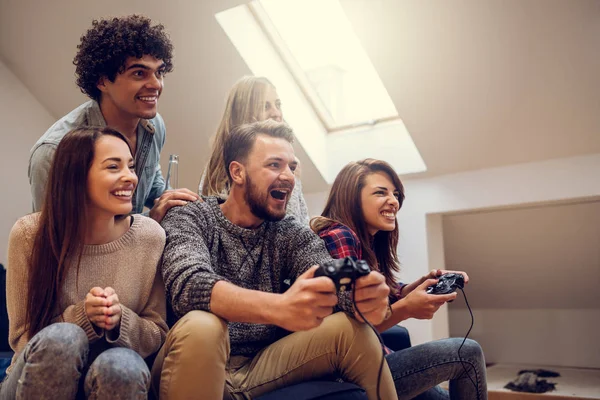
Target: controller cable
x=475, y=384
x=378, y=337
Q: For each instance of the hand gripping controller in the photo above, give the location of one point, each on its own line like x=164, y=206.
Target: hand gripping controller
x=447, y=283
x=343, y=272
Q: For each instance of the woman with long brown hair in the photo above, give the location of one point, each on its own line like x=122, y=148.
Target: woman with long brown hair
x=359, y=221
x=250, y=99
x=85, y=299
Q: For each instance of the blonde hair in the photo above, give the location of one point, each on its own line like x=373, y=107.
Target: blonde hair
x=245, y=104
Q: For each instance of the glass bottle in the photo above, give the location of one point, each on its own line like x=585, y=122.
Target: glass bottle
x=172, y=181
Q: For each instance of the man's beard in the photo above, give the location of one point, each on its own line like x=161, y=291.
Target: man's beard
x=259, y=204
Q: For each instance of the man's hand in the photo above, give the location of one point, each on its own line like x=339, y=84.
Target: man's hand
x=171, y=198
x=371, y=296
x=421, y=305
x=304, y=305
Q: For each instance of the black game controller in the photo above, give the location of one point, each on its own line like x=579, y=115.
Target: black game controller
x=448, y=283
x=343, y=272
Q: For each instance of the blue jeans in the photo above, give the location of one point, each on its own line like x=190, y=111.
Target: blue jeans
x=417, y=371
x=55, y=359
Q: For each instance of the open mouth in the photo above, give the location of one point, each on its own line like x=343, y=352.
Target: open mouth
x=388, y=215
x=123, y=194
x=148, y=99
x=279, y=194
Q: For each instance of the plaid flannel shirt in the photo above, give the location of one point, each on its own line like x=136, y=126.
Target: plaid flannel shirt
x=342, y=242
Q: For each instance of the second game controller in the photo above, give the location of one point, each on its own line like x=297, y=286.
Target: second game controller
x=447, y=283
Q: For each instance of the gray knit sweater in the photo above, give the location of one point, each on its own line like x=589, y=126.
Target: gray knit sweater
x=204, y=247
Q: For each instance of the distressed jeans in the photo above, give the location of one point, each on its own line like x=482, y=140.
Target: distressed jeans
x=417, y=370
x=54, y=361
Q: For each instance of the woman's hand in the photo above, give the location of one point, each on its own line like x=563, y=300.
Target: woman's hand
x=436, y=273
x=112, y=311
x=421, y=305
x=94, y=305
x=433, y=274
x=102, y=308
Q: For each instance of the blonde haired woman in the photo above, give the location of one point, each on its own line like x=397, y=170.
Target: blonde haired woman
x=250, y=99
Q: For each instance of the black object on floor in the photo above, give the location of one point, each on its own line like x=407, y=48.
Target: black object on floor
x=529, y=382
x=542, y=373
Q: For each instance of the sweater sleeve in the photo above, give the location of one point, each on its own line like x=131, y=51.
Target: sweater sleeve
x=75, y=314
x=186, y=269
x=144, y=332
x=20, y=243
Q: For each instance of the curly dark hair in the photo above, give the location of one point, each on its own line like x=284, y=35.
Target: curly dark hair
x=109, y=42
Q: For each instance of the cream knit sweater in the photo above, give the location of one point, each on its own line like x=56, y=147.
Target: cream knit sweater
x=130, y=265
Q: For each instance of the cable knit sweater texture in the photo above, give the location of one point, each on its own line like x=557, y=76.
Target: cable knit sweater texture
x=129, y=265
x=204, y=247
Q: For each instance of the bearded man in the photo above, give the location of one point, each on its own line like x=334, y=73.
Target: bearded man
x=240, y=275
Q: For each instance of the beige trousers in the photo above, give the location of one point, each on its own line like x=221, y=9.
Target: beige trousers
x=194, y=362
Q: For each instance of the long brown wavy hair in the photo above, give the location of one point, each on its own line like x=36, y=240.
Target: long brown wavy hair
x=244, y=105
x=62, y=224
x=344, y=205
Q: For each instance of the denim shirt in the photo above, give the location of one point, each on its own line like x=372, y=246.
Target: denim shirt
x=150, y=141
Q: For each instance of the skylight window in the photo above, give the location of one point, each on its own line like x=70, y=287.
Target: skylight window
x=326, y=82
x=319, y=46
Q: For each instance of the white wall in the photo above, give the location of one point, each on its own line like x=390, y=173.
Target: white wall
x=536, y=277
x=540, y=253
x=421, y=247
x=24, y=120
x=544, y=337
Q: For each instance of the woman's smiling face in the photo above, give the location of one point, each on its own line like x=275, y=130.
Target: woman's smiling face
x=380, y=204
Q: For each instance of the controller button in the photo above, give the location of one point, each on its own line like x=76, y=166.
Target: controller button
x=345, y=281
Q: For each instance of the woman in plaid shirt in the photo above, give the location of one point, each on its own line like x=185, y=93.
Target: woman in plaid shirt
x=359, y=221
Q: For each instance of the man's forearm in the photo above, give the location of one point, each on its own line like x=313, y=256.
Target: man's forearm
x=237, y=304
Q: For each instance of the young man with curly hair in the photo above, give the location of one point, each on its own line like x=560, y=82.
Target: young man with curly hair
x=120, y=65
